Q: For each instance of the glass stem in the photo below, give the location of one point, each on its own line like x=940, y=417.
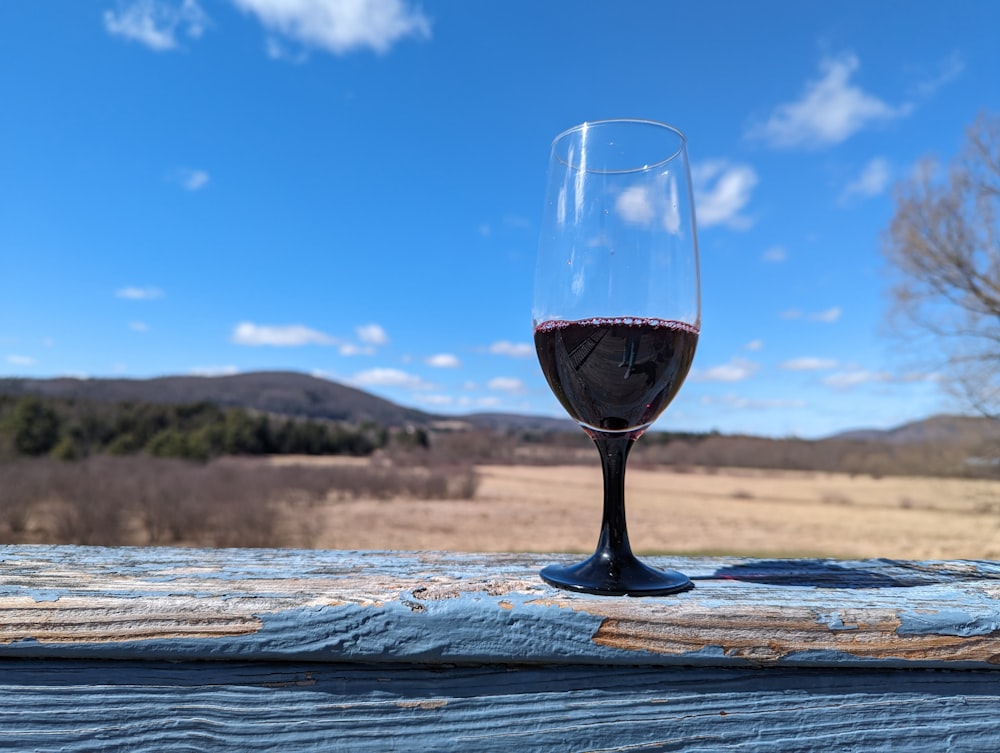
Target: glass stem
x=613, y=545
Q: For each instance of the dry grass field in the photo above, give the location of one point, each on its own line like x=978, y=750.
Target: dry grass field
x=708, y=511
x=406, y=503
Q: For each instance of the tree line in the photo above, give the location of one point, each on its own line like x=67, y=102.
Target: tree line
x=70, y=429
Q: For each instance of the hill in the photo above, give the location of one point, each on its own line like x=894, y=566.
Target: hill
x=947, y=430
x=945, y=445
x=280, y=392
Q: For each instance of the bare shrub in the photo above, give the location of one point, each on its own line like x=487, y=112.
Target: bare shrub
x=166, y=499
x=230, y=502
x=91, y=498
x=22, y=482
x=242, y=512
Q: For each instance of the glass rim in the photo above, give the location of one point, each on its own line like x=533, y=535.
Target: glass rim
x=562, y=135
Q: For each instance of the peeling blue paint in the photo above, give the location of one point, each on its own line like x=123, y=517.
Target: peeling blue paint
x=42, y=594
x=834, y=621
x=947, y=622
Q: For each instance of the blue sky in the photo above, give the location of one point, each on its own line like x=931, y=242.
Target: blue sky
x=352, y=189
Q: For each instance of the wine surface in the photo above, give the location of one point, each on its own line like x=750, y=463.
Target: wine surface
x=615, y=374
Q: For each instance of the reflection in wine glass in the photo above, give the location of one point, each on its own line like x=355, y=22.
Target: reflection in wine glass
x=617, y=312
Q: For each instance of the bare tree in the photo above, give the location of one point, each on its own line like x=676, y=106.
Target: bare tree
x=944, y=247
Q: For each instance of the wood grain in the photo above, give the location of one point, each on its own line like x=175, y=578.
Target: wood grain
x=252, y=650
x=61, y=602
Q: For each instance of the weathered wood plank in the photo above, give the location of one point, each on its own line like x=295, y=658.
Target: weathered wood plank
x=244, y=650
x=185, y=605
x=81, y=705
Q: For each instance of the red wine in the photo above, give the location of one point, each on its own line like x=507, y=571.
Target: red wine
x=615, y=374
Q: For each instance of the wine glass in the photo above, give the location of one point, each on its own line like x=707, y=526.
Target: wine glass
x=617, y=312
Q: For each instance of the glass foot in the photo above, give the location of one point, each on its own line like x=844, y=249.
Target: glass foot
x=615, y=576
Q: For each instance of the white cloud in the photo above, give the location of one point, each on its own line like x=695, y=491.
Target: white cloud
x=808, y=363
x=16, y=360
x=774, y=254
x=372, y=334
x=139, y=294
x=830, y=110
x=872, y=181
x=384, y=377
x=437, y=400
x=351, y=349
x=737, y=370
x=855, y=377
x=338, y=26
x=505, y=384
x=754, y=345
x=948, y=70
x=741, y=402
x=156, y=23
x=721, y=191
x=194, y=180
x=514, y=350
x=443, y=361
x=829, y=316
x=286, y=335
x=214, y=371
x=635, y=206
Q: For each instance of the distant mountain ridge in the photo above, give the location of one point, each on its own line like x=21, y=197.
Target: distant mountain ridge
x=297, y=394
x=942, y=429
x=282, y=392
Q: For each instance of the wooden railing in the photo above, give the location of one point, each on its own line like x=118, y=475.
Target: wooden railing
x=247, y=650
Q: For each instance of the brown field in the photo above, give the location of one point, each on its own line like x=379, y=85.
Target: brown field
x=706, y=511
x=407, y=503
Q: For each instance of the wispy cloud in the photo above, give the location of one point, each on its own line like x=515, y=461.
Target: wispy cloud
x=830, y=110
x=737, y=370
x=872, y=181
x=18, y=360
x=948, y=70
x=138, y=326
x=721, y=192
x=156, y=23
x=439, y=400
x=194, y=180
x=353, y=349
x=214, y=371
x=283, y=335
x=847, y=379
x=134, y=293
x=808, y=363
x=856, y=376
x=742, y=402
x=443, y=361
x=505, y=384
x=514, y=350
x=827, y=316
x=635, y=206
x=372, y=334
x=337, y=26
x=386, y=377
x=754, y=345
x=774, y=255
